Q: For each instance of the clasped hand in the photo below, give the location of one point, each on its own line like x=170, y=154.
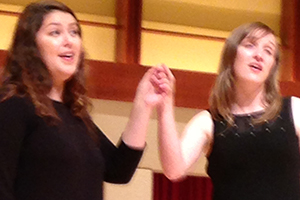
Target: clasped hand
x=157, y=87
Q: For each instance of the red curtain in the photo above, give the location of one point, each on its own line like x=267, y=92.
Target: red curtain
x=191, y=188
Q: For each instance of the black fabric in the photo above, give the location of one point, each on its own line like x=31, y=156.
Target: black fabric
x=41, y=162
x=259, y=162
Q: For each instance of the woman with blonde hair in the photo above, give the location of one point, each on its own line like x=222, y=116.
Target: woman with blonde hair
x=250, y=134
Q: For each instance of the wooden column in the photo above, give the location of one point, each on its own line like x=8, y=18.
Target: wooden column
x=129, y=19
x=3, y=54
x=290, y=36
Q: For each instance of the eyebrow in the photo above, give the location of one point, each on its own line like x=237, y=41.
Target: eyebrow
x=273, y=44
x=253, y=38
x=59, y=24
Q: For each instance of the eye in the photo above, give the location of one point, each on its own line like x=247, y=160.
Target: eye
x=269, y=51
x=249, y=45
x=54, y=33
x=74, y=32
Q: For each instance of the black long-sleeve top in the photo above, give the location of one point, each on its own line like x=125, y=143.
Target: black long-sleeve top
x=42, y=162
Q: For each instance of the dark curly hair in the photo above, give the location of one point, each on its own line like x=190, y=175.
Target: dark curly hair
x=26, y=75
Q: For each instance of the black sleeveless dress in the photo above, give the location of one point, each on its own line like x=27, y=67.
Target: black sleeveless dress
x=260, y=162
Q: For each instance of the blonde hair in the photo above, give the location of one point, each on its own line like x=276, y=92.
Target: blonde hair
x=222, y=95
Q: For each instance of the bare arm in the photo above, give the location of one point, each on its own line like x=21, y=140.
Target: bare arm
x=179, y=154
x=144, y=101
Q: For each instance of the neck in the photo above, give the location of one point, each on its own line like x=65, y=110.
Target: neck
x=248, y=98
x=56, y=93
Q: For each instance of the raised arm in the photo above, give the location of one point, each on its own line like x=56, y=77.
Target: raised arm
x=122, y=161
x=145, y=99
x=178, y=154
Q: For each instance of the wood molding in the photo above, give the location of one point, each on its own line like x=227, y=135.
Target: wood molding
x=118, y=81
x=9, y=13
x=290, y=38
x=181, y=34
x=113, y=81
x=129, y=23
x=3, y=55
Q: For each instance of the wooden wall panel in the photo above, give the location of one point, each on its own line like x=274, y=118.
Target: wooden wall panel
x=118, y=81
x=2, y=57
x=129, y=23
x=290, y=38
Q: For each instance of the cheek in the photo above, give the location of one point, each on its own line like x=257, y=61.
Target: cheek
x=237, y=62
x=243, y=54
x=242, y=58
x=271, y=64
x=47, y=49
x=79, y=46
x=239, y=57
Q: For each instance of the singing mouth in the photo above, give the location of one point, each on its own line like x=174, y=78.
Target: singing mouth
x=256, y=67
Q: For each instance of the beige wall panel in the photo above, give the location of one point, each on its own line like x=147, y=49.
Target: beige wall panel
x=139, y=188
x=99, y=42
x=112, y=116
x=180, y=52
x=7, y=30
x=175, y=28
x=267, y=6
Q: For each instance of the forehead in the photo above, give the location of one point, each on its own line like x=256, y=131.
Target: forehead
x=263, y=35
x=58, y=17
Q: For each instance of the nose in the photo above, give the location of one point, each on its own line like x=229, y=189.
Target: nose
x=67, y=40
x=258, y=55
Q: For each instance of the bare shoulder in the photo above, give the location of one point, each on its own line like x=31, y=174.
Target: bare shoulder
x=202, y=115
x=197, y=136
x=295, y=105
x=201, y=123
x=295, y=101
x=296, y=113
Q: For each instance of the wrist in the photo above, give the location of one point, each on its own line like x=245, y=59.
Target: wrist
x=166, y=106
x=140, y=103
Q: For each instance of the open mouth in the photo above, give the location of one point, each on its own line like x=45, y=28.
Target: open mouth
x=67, y=56
x=256, y=67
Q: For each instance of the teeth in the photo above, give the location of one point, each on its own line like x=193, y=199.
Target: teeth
x=256, y=67
x=67, y=55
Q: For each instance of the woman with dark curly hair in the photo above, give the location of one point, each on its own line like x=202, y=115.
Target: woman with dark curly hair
x=250, y=134
x=49, y=146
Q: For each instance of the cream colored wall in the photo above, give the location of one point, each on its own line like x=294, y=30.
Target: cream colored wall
x=99, y=43
x=253, y=5
x=7, y=28
x=112, y=116
x=188, y=50
x=139, y=188
x=179, y=52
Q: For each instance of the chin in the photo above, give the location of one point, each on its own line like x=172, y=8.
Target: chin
x=256, y=82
